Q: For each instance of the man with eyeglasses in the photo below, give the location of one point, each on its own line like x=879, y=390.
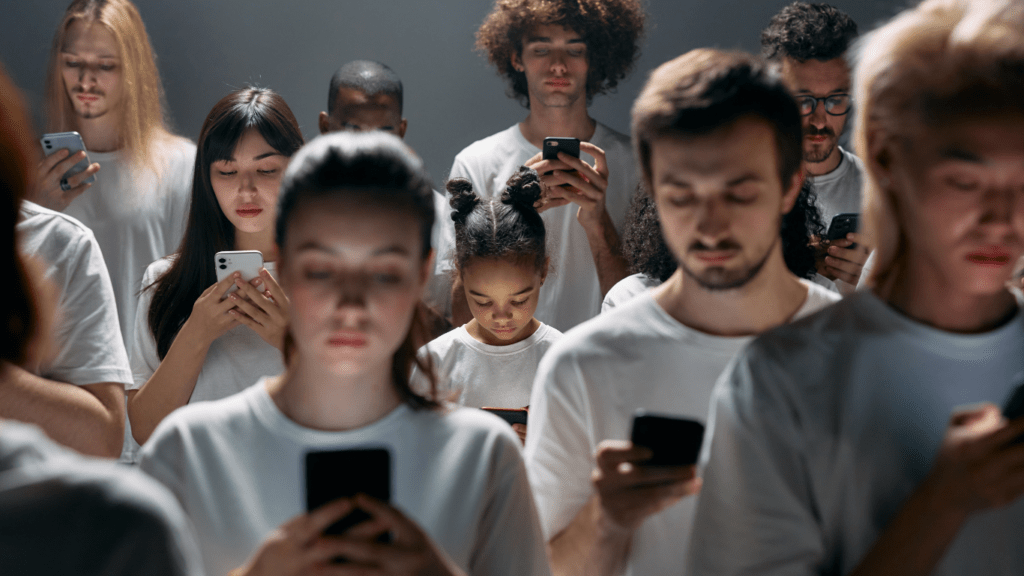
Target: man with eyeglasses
x=808, y=43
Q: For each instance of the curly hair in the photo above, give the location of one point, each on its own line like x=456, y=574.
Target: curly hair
x=642, y=242
x=612, y=30
x=804, y=31
x=799, y=225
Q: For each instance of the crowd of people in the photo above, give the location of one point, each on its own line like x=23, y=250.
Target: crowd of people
x=472, y=359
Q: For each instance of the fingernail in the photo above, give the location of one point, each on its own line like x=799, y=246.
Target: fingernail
x=233, y=296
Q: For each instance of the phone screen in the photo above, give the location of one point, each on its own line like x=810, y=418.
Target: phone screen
x=674, y=441
x=337, y=474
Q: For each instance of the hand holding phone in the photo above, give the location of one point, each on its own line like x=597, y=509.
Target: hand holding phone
x=673, y=441
x=248, y=262
x=841, y=225
x=65, y=171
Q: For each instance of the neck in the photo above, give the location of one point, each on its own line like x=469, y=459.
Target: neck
x=567, y=122
x=826, y=167
x=933, y=301
x=769, y=299
x=262, y=241
x=101, y=134
x=317, y=399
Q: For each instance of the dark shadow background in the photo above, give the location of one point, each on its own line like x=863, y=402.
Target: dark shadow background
x=452, y=97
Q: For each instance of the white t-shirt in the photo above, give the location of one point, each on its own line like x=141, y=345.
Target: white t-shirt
x=823, y=428
x=839, y=191
x=89, y=348
x=438, y=292
x=588, y=388
x=237, y=466
x=475, y=374
x=233, y=363
x=64, y=513
x=571, y=293
x=137, y=217
x=626, y=289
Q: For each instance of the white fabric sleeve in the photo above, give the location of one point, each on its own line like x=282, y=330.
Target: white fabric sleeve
x=90, y=347
x=559, y=451
x=145, y=358
x=756, y=513
x=163, y=457
x=509, y=540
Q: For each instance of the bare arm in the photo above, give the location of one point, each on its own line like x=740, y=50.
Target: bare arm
x=589, y=545
x=607, y=251
x=88, y=418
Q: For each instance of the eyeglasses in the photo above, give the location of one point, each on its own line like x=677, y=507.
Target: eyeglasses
x=835, y=105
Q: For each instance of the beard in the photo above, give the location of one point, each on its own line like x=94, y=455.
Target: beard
x=818, y=153
x=718, y=278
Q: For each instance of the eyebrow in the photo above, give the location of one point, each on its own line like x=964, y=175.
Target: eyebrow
x=318, y=247
x=259, y=157
x=526, y=290
x=532, y=39
x=749, y=177
x=806, y=92
x=960, y=154
x=104, y=56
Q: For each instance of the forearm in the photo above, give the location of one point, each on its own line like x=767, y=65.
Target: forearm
x=589, y=545
x=170, y=386
x=89, y=419
x=916, y=539
x=460, y=306
x=606, y=249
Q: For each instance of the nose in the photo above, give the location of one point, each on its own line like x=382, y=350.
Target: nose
x=502, y=313
x=818, y=118
x=712, y=221
x=999, y=204
x=247, y=184
x=351, y=292
x=558, y=62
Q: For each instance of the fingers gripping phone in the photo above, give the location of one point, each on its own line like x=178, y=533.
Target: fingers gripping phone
x=510, y=415
x=673, y=441
x=337, y=474
x=248, y=262
x=73, y=142
x=843, y=224
x=553, y=145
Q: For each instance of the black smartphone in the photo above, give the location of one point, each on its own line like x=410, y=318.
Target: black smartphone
x=553, y=145
x=674, y=441
x=843, y=224
x=510, y=415
x=337, y=474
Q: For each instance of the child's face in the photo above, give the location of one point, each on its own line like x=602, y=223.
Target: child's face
x=354, y=272
x=502, y=296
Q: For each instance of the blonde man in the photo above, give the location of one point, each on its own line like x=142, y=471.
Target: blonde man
x=869, y=439
x=102, y=82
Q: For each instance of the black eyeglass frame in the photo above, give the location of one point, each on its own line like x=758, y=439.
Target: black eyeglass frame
x=824, y=101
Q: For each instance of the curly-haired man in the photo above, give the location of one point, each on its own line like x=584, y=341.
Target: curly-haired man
x=557, y=55
x=808, y=42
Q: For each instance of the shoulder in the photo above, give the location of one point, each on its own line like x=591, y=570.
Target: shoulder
x=485, y=149
x=471, y=430
x=157, y=269
x=607, y=337
x=614, y=143
x=36, y=218
x=624, y=290
x=443, y=344
x=207, y=418
x=818, y=297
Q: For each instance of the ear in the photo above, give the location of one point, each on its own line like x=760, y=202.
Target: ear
x=879, y=157
x=324, y=123
x=427, y=268
x=790, y=195
x=544, y=274
x=517, y=62
x=401, y=127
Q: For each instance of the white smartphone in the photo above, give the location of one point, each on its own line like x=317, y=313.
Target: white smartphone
x=248, y=262
x=73, y=142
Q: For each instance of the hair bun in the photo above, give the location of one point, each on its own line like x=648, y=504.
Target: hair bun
x=463, y=199
x=523, y=189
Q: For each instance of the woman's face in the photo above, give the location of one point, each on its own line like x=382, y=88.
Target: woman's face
x=247, y=184
x=502, y=296
x=354, y=273
x=963, y=207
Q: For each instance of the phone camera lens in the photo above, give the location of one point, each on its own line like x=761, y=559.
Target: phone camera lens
x=223, y=267
x=222, y=260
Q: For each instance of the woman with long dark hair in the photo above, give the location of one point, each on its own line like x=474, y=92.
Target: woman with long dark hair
x=190, y=342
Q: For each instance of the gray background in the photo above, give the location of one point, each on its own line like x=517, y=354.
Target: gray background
x=452, y=97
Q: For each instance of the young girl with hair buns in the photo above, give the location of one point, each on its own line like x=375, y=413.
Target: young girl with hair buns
x=501, y=258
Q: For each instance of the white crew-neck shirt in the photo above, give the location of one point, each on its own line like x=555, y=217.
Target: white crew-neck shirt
x=474, y=374
x=136, y=216
x=823, y=429
x=237, y=467
x=626, y=289
x=235, y=360
x=571, y=292
x=590, y=384
x=839, y=191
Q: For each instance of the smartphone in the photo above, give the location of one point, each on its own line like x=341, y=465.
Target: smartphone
x=843, y=224
x=337, y=474
x=73, y=142
x=674, y=441
x=248, y=262
x=553, y=145
x=510, y=415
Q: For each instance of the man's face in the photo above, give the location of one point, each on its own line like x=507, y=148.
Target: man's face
x=354, y=110
x=90, y=64
x=720, y=200
x=819, y=79
x=554, y=60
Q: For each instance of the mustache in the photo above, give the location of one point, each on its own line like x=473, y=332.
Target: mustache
x=726, y=244
x=812, y=131
x=93, y=91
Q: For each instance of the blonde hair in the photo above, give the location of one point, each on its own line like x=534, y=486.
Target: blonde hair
x=940, y=60
x=142, y=107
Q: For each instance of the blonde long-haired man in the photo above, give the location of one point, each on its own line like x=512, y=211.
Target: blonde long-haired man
x=102, y=81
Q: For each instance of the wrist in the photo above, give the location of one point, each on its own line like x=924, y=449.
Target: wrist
x=608, y=531
x=192, y=338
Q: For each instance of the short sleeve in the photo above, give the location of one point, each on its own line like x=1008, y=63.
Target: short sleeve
x=145, y=358
x=559, y=450
x=163, y=457
x=756, y=513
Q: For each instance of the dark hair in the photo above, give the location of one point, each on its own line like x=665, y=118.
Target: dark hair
x=804, y=31
x=508, y=228
x=369, y=77
x=643, y=244
x=368, y=164
x=208, y=230
x=704, y=90
x=20, y=315
x=611, y=29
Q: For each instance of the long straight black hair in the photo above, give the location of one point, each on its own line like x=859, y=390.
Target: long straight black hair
x=209, y=231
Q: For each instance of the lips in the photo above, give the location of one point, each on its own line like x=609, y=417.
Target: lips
x=347, y=339
x=508, y=330
x=995, y=257
x=88, y=97
x=248, y=211
x=558, y=82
